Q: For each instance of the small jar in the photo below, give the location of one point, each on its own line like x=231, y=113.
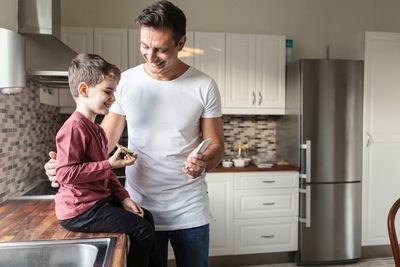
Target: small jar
x=227, y=164
x=289, y=50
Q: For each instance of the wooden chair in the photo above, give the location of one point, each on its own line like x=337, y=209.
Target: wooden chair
x=392, y=232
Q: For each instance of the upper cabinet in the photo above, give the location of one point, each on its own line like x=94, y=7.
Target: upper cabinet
x=134, y=56
x=249, y=69
x=79, y=39
x=110, y=43
x=186, y=54
x=255, y=74
x=209, y=57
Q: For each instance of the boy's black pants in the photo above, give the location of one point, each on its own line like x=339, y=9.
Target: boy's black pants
x=109, y=216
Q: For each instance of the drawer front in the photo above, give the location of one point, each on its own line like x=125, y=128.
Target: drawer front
x=258, y=180
x=266, y=203
x=266, y=235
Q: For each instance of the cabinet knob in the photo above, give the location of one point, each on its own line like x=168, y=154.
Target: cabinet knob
x=260, y=99
x=254, y=98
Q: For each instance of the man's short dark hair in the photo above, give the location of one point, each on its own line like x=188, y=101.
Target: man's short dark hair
x=164, y=15
x=91, y=69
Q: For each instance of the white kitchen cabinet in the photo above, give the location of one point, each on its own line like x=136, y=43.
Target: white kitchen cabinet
x=220, y=191
x=381, y=150
x=80, y=39
x=254, y=212
x=275, y=234
x=265, y=212
x=135, y=57
x=186, y=54
x=255, y=74
x=209, y=57
x=112, y=45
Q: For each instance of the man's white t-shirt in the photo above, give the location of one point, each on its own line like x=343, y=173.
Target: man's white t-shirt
x=163, y=120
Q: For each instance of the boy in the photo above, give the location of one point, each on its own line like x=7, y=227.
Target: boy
x=90, y=197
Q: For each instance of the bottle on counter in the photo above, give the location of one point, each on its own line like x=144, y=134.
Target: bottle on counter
x=289, y=50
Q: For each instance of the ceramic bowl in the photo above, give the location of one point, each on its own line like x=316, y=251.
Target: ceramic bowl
x=227, y=163
x=239, y=162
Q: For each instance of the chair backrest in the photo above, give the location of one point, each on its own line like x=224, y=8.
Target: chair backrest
x=392, y=232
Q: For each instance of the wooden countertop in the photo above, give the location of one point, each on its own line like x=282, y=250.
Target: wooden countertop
x=254, y=168
x=24, y=220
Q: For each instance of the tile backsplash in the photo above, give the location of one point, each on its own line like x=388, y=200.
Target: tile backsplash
x=258, y=132
x=28, y=131
x=27, y=134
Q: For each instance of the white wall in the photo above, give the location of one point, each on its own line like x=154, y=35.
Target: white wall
x=313, y=24
x=9, y=15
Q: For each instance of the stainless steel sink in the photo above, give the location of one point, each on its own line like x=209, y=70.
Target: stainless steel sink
x=72, y=253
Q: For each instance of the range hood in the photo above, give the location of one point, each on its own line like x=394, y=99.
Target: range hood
x=47, y=57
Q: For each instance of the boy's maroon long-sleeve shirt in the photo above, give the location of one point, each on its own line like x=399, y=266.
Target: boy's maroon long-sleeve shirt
x=83, y=170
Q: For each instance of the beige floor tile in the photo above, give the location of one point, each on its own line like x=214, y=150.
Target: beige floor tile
x=379, y=262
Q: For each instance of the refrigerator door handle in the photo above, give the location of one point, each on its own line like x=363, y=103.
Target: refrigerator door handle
x=307, y=219
x=307, y=148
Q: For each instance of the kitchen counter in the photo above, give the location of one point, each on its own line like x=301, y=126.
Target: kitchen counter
x=23, y=220
x=251, y=168
x=254, y=168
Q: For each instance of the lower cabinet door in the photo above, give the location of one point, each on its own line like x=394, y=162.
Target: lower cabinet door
x=266, y=235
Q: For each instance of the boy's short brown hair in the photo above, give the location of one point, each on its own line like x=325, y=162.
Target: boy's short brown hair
x=91, y=69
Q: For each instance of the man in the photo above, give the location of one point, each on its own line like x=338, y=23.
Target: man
x=169, y=108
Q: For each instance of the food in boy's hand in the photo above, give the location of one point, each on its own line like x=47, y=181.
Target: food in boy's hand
x=126, y=150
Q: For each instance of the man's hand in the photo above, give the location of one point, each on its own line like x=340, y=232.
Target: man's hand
x=132, y=206
x=50, y=168
x=195, y=165
x=117, y=162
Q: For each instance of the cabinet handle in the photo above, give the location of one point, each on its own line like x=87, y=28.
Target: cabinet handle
x=268, y=182
x=368, y=139
x=267, y=236
x=260, y=100
x=254, y=98
x=268, y=203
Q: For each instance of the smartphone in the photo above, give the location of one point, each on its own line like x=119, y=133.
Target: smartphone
x=203, y=146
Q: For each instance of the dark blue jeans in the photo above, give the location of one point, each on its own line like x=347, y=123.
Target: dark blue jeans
x=190, y=246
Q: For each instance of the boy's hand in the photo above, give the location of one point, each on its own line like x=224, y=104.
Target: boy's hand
x=50, y=168
x=117, y=162
x=132, y=206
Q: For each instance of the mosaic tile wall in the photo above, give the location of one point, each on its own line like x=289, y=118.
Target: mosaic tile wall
x=27, y=131
x=258, y=132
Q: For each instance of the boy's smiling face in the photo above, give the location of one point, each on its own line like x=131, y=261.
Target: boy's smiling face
x=97, y=99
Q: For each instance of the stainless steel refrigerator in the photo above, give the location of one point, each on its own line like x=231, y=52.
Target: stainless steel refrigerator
x=322, y=133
